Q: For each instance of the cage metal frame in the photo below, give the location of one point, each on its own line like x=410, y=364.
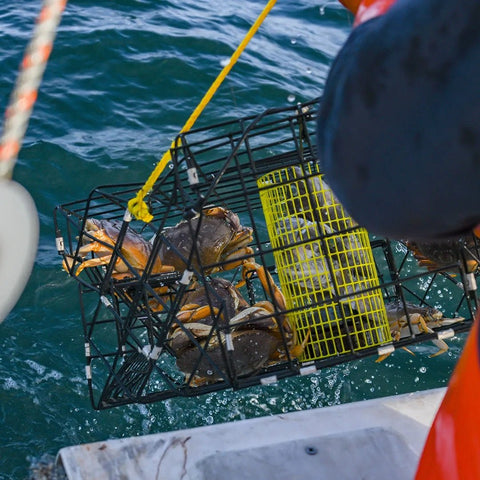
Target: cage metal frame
x=128, y=352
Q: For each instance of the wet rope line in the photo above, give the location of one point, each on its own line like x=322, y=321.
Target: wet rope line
x=137, y=205
x=28, y=81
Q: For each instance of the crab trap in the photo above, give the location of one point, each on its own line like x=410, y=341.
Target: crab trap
x=249, y=272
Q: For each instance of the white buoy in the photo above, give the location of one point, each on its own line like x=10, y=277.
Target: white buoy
x=19, y=230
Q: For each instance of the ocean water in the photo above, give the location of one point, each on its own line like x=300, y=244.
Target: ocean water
x=122, y=80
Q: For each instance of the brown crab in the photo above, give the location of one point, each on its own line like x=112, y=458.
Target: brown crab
x=134, y=251
x=215, y=319
x=439, y=254
x=422, y=320
x=213, y=239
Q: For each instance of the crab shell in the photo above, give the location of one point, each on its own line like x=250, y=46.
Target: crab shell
x=397, y=318
x=199, y=342
x=134, y=248
x=215, y=236
x=220, y=295
x=422, y=320
x=418, y=315
x=442, y=253
x=253, y=349
x=255, y=345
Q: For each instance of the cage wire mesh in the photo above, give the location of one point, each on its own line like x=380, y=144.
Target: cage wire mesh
x=250, y=272
x=325, y=265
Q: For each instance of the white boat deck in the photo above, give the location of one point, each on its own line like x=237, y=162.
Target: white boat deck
x=373, y=439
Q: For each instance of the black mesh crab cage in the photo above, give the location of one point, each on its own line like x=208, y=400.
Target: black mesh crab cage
x=250, y=271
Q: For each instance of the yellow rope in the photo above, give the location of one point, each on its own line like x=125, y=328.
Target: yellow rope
x=136, y=205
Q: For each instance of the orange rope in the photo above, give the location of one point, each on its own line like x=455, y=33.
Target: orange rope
x=24, y=94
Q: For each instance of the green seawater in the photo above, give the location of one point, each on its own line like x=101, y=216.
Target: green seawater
x=122, y=80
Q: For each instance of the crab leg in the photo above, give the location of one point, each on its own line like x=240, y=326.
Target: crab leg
x=120, y=267
x=442, y=347
x=298, y=348
x=267, y=282
x=440, y=344
x=381, y=358
x=197, y=329
x=155, y=304
x=192, y=312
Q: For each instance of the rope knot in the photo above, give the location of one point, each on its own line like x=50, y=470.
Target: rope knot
x=139, y=209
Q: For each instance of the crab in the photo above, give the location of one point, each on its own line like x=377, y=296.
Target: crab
x=422, y=320
x=213, y=239
x=313, y=191
x=442, y=254
x=215, y=318
x=134, y=251
x=329, y=267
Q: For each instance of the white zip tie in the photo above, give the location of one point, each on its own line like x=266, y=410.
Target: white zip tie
x=60, y=244
x=105, y=301
x=192, y=176
x=127, y=216
x=145, y=350
x=471, y=282
x=444, y=334
x=269, y=380
x=87, y=349
x=88, y=372
x=308, y=370
x=186, y=277
x=150, y=351
x=229, y=342
x=155, y=352
x=385, y=350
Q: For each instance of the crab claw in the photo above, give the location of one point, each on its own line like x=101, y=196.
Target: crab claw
x=100, y=238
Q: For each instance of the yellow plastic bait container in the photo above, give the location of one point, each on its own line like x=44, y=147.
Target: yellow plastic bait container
x=325, y=265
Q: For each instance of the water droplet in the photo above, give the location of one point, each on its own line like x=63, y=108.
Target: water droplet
x=224, y=62
x=291, y=98
x=293, y=41
x=309, y=71
x=423, y=369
